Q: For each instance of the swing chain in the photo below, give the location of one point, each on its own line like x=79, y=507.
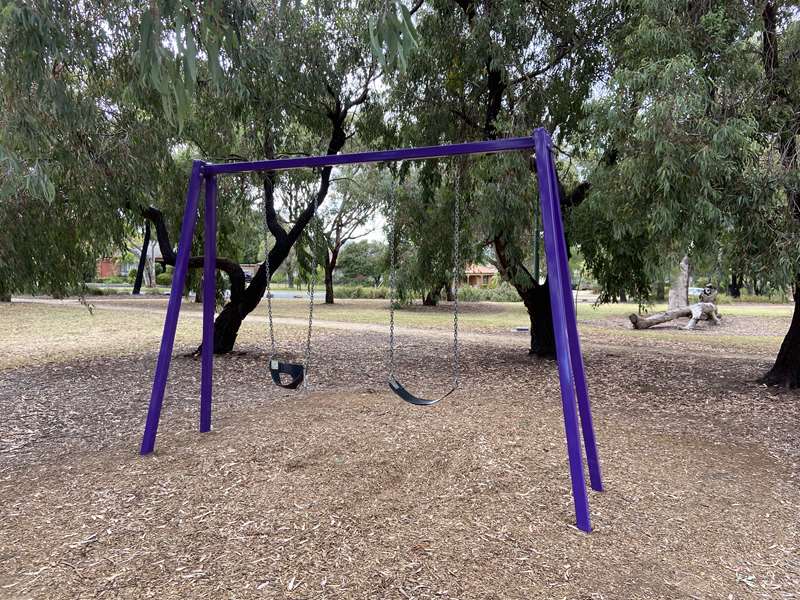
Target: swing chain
x=271, y=326
x=392, y=275
x=456, y=275
x=313, y=224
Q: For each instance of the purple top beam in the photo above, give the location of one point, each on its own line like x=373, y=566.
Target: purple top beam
x=329, y=160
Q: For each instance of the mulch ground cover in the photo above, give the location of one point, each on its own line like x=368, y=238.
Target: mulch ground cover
x=346, y=492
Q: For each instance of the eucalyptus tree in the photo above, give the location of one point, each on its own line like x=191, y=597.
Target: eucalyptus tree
x=347, y=216
x=704, y=140
x=364, y=260
x=106, y=100
x=75, y=150
x=424, y=229
x=298, y=76
x=483, y=69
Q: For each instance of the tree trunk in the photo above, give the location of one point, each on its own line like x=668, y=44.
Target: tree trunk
x=198, y=293
x=137, y=285
x=735, y=287
x=449, y=293
x=431, y=298
x=244, y=299
x=537, y=302
x=786, y=370
x=623, y=297
x=329, y=267
x=757, y=288
x=679, y=285
x=748, y=285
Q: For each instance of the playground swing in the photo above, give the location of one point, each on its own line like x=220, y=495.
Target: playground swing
x=297, y=373
x=394, y=385
x=572, y=378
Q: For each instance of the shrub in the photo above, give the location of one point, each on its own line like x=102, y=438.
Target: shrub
x=112, y=279
x=164, y=279
x=350, y=291
x=97, y=291
x=504, y=292
x=774, y=298
x=132, y=275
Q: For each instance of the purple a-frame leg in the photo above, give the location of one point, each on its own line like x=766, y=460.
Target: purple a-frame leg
x=209, y=302
x=173, y=309
x=568, y=352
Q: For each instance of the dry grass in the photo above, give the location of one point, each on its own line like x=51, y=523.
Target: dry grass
x=347, y=493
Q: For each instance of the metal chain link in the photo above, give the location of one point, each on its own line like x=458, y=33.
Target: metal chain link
x=392, y=275
x=273, y=351
x=312, y=243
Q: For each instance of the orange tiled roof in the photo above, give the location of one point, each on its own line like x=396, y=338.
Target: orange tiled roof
x=480, y=270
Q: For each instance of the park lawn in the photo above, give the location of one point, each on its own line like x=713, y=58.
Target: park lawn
x=490, y=314
x=65, y=331
x=59, y=331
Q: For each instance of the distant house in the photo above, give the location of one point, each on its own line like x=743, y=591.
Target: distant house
x=116, y=266
x=108, y=266
x=479, y=275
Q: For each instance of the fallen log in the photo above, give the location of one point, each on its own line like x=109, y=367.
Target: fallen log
x=701, y=311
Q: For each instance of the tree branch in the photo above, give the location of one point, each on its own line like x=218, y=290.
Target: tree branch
x=227, y=265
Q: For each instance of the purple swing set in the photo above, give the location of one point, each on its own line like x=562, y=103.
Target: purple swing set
x=577, y=415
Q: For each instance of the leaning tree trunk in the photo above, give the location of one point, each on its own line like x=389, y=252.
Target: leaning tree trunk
x=245, y=298
x=786, y=370
x=137, y=285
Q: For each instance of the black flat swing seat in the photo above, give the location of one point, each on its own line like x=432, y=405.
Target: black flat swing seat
x=293, y=370
x=401, y=391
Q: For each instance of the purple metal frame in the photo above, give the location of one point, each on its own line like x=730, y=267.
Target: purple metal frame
x=574, y=393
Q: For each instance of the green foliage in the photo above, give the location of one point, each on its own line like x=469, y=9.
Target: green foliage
x=503, y=292
x=164, y=279
x=171, y=36
x=476, y=75
x=364, y=261
x=106, y=105
x=678, y=155
x=350, y=291
x=393, y=36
